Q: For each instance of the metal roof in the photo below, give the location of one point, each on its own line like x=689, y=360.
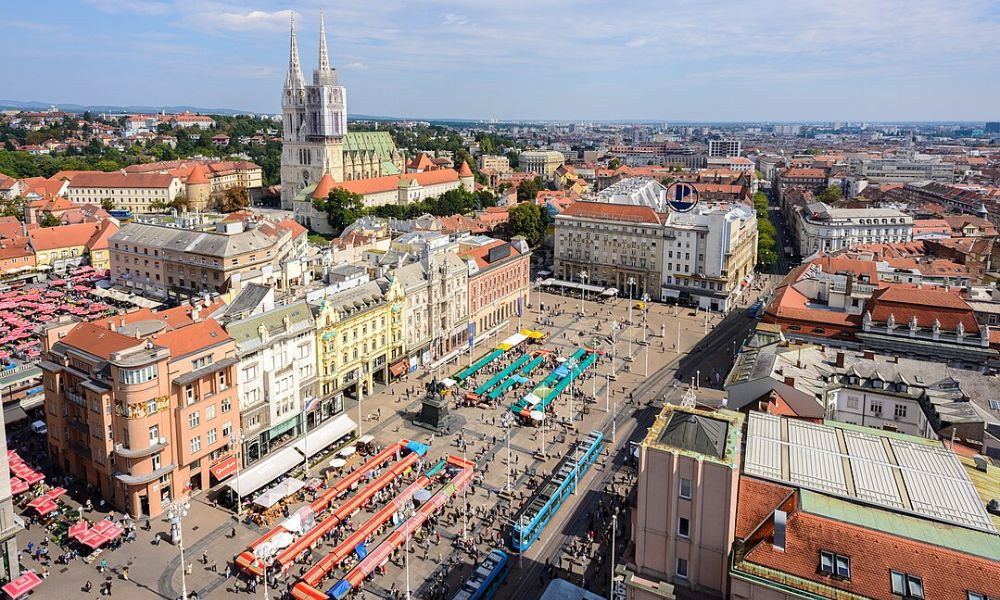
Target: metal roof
x=890, y=470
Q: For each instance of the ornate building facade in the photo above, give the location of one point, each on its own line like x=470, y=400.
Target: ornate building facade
x=315, y=140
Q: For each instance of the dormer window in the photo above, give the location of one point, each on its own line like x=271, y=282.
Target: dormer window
x=906, y=585
x=836, y=565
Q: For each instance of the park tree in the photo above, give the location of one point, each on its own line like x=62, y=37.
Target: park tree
x=107, y=204
x=614, y=163
x=526, y=220
x=234, y=199
x=13, y=208
x=49, y=220
x=830, y=195
x=529, y=188
x=341, y=207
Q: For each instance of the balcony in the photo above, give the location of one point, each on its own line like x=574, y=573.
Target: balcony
x=76, y=398
x=129, y=479
x=125, y=452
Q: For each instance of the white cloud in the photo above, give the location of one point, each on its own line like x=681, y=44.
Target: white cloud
x=255, y=20
x=139, y=7
x=356, y=66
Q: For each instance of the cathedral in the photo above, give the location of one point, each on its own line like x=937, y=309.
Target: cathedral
x=315, y=140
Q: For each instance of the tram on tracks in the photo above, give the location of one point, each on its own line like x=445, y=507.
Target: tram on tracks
x=529, y=522
x=486, y=579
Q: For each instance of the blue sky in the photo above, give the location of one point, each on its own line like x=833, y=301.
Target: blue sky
x=524, y=59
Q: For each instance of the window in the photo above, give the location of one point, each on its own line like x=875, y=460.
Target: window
x=156, y=462
x=194, y=419
x=899, y=411
x=683, y=527
x=189, y=394
x=154, y=434
x=198, y=363
x=906, y=585
x=222, y=380
x=210, y=412
x=134, y=376
x=226, y=404
x=227, y=429
x=685, y=491
x=837, y=565
x=876, y=407
x=151, y=406
x=682, y=567
x=211, y=436
x=852, y=402
x=994, y=404
x=195, y=444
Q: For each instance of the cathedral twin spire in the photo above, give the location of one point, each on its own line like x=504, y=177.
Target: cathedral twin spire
x=323, y=74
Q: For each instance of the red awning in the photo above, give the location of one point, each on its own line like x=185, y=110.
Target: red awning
x=224, y=467
x=22, y=585
x=399, y=368
x=77, y=528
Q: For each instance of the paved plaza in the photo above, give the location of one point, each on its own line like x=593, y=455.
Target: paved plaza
x=575, y=544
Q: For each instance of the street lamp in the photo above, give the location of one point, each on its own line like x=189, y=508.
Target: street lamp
x=631, y=287
x=407, y=513
x=237, y=445
x=584, y=277
x=176, y=511
x=538, y=294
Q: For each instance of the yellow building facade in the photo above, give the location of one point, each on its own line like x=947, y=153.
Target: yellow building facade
x=360, y=340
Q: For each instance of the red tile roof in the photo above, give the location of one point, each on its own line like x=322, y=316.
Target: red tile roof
x=905, y=302
x=192, y=338
x=946, y=574
x=63, y=236
x=482, y=252
x=324, y=187
x=757, y=500
x=390, y=183
x=117, y=179
x=803, y=173
x=614, y=212
x=97, y=340
x=465, y=170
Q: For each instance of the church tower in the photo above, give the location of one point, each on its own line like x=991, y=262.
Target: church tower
x=314, y=122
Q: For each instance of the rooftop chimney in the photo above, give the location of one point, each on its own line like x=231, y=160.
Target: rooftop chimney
x=790, y=381
x=840, y=360
x=869, y=355
x=780, y=522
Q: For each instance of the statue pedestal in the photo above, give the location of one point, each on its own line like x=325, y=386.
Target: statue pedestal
x=434, y=413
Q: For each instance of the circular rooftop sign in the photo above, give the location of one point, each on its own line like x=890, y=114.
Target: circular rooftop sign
x=682, y=196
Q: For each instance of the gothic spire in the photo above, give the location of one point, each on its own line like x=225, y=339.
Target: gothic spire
x=324, y=58
x=295, y=78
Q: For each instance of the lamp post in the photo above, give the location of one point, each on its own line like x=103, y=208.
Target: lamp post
x=407, y=513
x=237, y=444
x=631, y=287
x=176, y=511
x=614, y=533
x=538, y=295
x=584, y=276
x=508, y=460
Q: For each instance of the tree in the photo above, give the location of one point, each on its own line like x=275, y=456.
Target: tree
x=49, y=220
x=108, y=204
x=234, y=199
x=614, y=163
x=529, y=188
x=526, y=220
x=342, y=208
x=830, y=195
x=13, y=208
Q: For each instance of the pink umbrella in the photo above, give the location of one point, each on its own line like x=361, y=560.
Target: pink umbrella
x=18, y=485
x=22, y=585
x=34, y=478
x=77, y=528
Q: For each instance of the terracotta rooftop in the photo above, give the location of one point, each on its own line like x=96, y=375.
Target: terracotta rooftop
x=192, y=338
x=390, y=183
x=615, y=212
x=99, y=341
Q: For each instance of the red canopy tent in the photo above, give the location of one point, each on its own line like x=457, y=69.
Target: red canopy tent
x=18, y=486
x=33, y=478
x=22, y=585
x=77, y=528
x=91, y=539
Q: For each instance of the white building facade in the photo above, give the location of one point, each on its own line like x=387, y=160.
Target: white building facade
x=819, y=227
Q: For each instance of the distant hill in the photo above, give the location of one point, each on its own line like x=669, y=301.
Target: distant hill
x=100, y=108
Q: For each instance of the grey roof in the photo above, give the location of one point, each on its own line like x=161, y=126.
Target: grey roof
x=358, y=298
x=249, y=298
x=246, y=332
x=208, y=243
x=696, y=433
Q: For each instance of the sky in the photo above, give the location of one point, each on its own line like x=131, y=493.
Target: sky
x=669, y=60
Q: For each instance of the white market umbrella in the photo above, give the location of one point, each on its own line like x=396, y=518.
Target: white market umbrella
x=337, y=463
x=348, y=451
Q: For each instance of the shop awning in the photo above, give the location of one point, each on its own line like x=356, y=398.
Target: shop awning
x=326, y=434
x=22, y=585
x=224, y=467
x=283, y=490
x=400, y=367
x=14, y=414
x=274, y=466
x=512, y=341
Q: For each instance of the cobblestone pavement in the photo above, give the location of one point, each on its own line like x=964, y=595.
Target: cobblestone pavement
x=658, y=371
